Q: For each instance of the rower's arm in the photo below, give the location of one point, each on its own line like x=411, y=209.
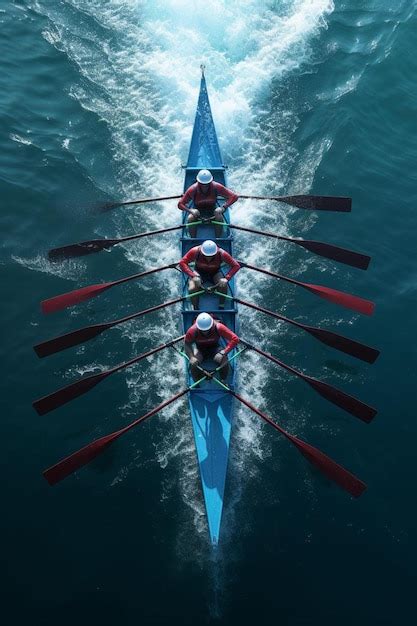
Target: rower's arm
x=230, y=195
x=188, y=349
x=231, y=337
x=188, y=342
x=233, y=264
x=186, y=198
x=186, y=260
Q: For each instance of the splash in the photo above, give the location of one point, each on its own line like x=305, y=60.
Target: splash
x=139, y=72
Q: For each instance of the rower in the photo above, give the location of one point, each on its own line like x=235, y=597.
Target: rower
x=203, y=195
x=205, y=335
x=208, y=259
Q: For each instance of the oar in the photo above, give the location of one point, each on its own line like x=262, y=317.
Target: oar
x=83, y=385
x=327, y=250
x=78, y=459
x=81, y=335
x=349, y=346
x=332, y=295
x=313, y=203
x=341, y=399
x=86, y=293
x=325, y=464
x=108, y=206
x=97, y=245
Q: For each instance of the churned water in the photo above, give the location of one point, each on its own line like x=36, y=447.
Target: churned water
x=97, y=100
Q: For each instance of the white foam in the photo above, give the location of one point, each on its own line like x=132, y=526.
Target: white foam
x=19, y=139
x=143, y=82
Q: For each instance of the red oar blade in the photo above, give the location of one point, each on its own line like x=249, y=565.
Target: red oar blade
x=66, y=394
x=347, y=300
x=332, y=295
x=319, y=203
x=336, y=253
x=81, y=249
x=325, y=464
x=343, y=400
x=78, y=459
x=69, y=340
x=82, y=335
x=73, y=297
x=334, y=472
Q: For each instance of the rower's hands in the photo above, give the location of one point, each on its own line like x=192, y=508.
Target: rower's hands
x=218, y=358
x=193, y=360
x=197, y=281
x=221, y=283
x=195, y=213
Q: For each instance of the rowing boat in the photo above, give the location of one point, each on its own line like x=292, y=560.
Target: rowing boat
x=211, y=408
x=211, y=400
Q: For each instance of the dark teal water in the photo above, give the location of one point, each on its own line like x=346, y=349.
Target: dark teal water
x=97, y=100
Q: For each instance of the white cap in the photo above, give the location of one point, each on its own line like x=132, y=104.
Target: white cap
x=208, y=248
x=204, y=321
x=204, y=177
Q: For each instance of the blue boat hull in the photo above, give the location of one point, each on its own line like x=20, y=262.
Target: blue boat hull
x=211, y=408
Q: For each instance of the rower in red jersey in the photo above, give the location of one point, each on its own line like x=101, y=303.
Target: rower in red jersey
x=208, y=259
x=202, y=342
x=204, y=194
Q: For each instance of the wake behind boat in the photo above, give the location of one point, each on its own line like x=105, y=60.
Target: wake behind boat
x=212, y=390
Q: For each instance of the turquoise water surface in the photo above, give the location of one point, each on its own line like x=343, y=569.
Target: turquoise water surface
x=97, y=100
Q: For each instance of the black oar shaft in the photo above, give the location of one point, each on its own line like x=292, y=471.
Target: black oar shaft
x=335, y=472
x=313, y=203
x=127, y=279
x=78, y=459
x=81, y=335
x=272, y=274
x=347, y=300
x=334, y=340
x=113, y=205
x=80, y=387
x=92, y=246
x=326, y=250
x=337, y=397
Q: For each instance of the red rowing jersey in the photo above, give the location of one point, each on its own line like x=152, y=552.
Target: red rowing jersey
x=211, y=339
x=208, y=264
x=207, y=200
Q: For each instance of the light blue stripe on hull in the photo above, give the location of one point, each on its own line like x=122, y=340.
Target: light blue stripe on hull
x=211, y=414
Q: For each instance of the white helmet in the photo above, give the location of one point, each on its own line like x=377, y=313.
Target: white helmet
x=204, y=177
x=204, y=321
x=209, y=248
